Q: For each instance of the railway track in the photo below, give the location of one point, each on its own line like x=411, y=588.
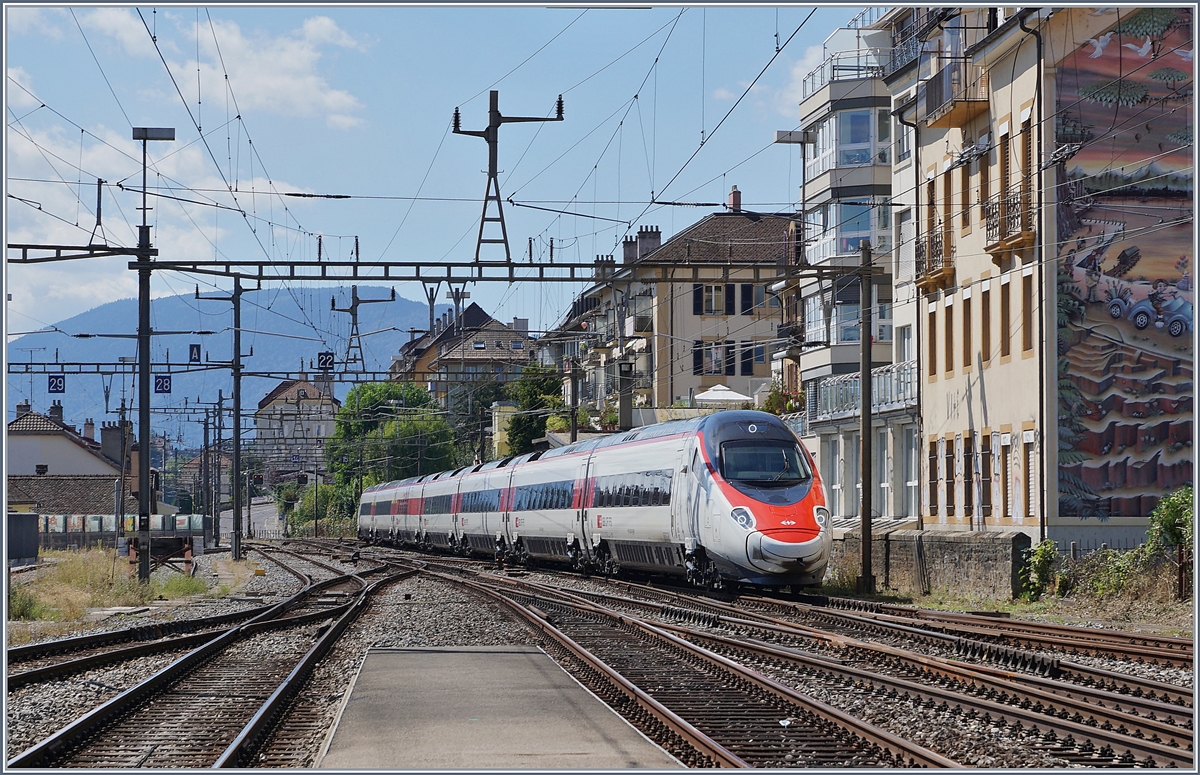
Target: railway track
x=705, y=709
x=66, y=656
x=212, y=706
x=1080, y=724
x=1136, y=647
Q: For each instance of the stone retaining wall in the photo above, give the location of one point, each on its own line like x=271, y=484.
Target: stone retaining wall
x=984, y=565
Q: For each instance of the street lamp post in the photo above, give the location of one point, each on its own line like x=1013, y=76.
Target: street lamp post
x=145, y=134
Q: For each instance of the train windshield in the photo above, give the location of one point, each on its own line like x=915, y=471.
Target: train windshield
x=764, y=463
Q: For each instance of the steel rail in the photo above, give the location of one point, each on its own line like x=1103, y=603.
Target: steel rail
x=898, y=747
x=1044, y=705
x=690, y=734
x=240, y=752
x=1052, y=697
x=989, y=628
x=1049, y=667
x=43, y=753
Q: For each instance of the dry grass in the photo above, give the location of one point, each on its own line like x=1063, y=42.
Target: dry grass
x=71, y=582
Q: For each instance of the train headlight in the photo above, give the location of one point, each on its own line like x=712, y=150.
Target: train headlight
x=821, y=514
x=743, y=517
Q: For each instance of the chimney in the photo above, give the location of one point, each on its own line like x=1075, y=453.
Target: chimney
x=520, y=325
x=110, y=442
x=631, y=250
x=56, y=410
x=89, y=429
x=23, y=409
x=649, y=238
x=735, y=200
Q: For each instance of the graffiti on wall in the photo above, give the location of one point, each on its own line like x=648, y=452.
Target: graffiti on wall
x=1126, y=265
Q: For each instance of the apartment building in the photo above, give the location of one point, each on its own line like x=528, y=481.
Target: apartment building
x=1052, y=245
x=465, y=348
x=850, y=142
x=291, y=424
x=676, y=340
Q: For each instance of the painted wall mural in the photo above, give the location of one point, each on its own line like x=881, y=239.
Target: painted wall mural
x=1126, y=265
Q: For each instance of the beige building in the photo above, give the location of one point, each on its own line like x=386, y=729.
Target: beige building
x=291, y=425
x=1052, y=263
x=678, y=340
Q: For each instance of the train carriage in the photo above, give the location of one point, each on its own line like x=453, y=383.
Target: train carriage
x=733, y=496
x=480, y=518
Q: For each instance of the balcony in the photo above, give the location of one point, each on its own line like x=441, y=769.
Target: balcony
x=1009, y=220
x=846, y=66
x=908, y=39
x=934, y=260
x=956, y=93
x=797, y=421
x=893, y=388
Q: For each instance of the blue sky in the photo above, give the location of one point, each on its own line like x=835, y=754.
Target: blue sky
x=358, y=101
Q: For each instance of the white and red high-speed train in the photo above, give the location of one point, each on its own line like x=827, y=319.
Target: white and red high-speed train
x=733, y=496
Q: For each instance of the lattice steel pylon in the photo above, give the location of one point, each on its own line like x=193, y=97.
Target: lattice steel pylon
x=492, y=193
x=354, y=352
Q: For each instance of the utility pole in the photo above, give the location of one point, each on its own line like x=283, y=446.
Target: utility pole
x=235, y=365
x=217, y=495
x=492, y=136
x=144, y=265
x=354, y=351
x=866, y=582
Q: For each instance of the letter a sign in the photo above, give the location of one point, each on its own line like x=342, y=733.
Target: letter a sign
x=193, y=353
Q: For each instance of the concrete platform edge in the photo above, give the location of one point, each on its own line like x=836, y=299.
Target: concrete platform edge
x=337, y=720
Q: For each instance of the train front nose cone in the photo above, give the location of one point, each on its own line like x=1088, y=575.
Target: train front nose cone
x=805, y=549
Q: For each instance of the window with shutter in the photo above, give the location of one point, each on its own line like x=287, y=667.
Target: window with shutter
x=730, y=300
x=747, y=299
x=747, y=359
x=730, y=359
x=697, y=357
x=697, y=299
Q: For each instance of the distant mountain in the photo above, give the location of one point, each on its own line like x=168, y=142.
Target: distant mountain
x=278, y=323
x=1150, y=178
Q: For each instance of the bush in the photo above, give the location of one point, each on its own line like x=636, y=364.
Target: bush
x=557, y=423
x=1038, y=572
x=1171, y=523
x=22, y=604
x=1111, y=573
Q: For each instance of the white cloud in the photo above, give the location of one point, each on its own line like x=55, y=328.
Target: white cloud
x=123, y=26
x=63, y=213
x=787, y=100
x=36, y=21
x=277, y=74
x=721, y=93
x=18, y=97
x=322, y=29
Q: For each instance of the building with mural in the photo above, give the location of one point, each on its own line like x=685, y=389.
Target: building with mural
x=1123, y=169
x=1053, y=248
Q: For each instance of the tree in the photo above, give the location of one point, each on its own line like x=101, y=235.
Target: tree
x=365, y=423
x=471, y=410
x=537, y=392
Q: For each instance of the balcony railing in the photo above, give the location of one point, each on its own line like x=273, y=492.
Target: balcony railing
x=846, y=66
x=934, y=258
x=954, y=95
x=797, y=421
x=1009, y=218
x=907, y=41
x=893, y=387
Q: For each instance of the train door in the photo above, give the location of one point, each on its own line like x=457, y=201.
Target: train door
x=504, y=530
x=586, y=532
x=679, y=531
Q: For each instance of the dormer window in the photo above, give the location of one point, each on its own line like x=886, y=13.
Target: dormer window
x=302, y=393
x=499, y=345
x=518, y=345
x=479, y=344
